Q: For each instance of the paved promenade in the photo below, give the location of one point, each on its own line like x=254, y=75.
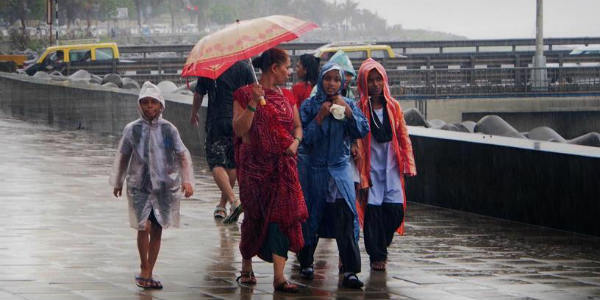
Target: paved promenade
x=63, y=236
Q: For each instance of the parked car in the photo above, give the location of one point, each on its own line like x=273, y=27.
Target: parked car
x=586, y=50
x=355, y=51
x=160, y=29
x=189, y=28
x=60, y=58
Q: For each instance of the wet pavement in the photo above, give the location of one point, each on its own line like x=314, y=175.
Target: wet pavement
x=65, y=237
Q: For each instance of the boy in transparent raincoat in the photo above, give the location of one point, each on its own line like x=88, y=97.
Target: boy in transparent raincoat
x=158, y=169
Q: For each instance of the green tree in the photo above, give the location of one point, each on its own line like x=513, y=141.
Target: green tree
x=222, y=14
x=22, y=11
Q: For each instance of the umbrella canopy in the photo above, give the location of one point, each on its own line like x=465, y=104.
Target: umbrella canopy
x=215, y=53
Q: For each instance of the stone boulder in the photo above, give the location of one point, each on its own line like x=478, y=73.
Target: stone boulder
x=436, y=124
x=495, y=125
x=95, y=79
x=113, y=78
x=110, y=85
x=544, y=133
x=413, y=117
x=42, y=75
x=58, y=76
x=451, y=127
x=466, y=126
x=80, y=75
x=184, y=90
x=588, y=139
x=166, y=86
x=130, y=84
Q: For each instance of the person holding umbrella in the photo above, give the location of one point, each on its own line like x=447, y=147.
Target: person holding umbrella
x=266, y=141
x=217, y=52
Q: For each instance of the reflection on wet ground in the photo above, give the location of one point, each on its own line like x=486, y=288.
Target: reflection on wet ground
x=65, y=237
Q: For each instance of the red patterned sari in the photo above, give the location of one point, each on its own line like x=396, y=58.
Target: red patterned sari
x=268, y=179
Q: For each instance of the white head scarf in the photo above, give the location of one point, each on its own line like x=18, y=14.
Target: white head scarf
x=150, y=90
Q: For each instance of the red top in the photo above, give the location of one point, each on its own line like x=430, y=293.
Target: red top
x=301, y=91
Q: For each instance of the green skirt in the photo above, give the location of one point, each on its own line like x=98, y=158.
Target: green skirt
x=275, y=243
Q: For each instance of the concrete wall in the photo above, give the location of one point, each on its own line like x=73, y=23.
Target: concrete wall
x=72, y=105
x=543, y=183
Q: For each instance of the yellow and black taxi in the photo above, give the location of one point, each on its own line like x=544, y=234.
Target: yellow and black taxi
x=64, y=57
x=355, y=51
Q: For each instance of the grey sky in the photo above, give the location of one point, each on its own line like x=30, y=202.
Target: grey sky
x=488, y=19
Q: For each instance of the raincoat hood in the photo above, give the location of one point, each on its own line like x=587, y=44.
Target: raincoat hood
x=342, y=59
x=321, y=95
x=150, y=90
x=363, y=73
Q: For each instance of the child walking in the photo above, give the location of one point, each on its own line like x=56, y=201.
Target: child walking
x=158, y=169
x=385, y=156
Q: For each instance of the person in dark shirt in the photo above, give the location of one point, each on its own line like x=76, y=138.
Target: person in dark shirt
x=219, y=131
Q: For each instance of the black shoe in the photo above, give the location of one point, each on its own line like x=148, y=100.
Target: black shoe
x=351, y=281
x=307, y=273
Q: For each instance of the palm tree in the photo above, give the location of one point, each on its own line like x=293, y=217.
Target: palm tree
x=348, y=9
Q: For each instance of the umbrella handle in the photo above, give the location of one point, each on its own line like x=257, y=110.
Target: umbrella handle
x=262, y=98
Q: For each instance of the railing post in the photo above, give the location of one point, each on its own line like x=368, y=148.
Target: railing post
x=427, y=81
x=435, y=77
x=159, y=70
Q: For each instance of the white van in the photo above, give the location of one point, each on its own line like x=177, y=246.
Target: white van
x=586, y=50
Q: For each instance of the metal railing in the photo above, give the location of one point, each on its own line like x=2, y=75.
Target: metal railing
x=404, y=45
x=448, y=83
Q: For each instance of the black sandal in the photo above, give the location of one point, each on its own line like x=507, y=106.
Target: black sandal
x=307, y=273
x=246, y=277
x=351, y=281
x=234, y=215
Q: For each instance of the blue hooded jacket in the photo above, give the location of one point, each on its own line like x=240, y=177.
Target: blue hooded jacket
x=327, y=156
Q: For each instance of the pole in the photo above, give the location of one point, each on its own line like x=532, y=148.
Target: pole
x=56, y=17
x=539, y=75
x=49, y=19
x=539, y=30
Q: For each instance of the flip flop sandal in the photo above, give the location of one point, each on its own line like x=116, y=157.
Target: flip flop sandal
x=220, y=212
x=247, y=278
x=141, y=282
x=286, y=287
x=234, y=215
x=154, y=284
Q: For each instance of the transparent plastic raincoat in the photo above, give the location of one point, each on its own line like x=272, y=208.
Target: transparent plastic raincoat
x=155, y=162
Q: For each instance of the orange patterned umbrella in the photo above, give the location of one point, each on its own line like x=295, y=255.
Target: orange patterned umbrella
x=215, y=53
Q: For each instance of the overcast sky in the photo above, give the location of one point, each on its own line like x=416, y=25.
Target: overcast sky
x=488, y=19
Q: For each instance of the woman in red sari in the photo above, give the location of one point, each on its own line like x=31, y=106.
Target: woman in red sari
x=266, y=142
